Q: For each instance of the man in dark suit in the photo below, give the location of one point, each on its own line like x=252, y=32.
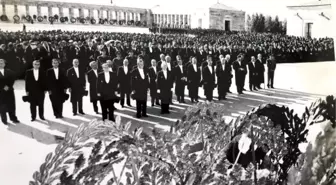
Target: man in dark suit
x=124, y=77
x=223, y=72
x=271, y=65
x=240, y=72
x=7, y=97
x=35, y=89
x=56, y=86
x=27, y=57
x=152, y=72
x=180, y=79
x=194, y=79
x=165, y=85
x=209, y=83
x=107, y=92
x=76, y=82
x=261, y=71
x=140, y=84
x=92, y=77
x=253, y=74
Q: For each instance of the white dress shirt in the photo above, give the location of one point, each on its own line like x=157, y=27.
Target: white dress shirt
x=165, y=74
x=76, y=71
x=195, y=67
x=181, y=67
x=210, y=69
x=95, y=72
x=154, y=69
x=36, y=74
x=2, y=71
x=253, y=64
x=223, y=66
x=107, y=77
x=142, y=74
x=110, y=69
x=125, y=69
x=56, y=71
x=169, y=66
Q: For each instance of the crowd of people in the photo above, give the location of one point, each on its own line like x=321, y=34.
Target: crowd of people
x=121, y=66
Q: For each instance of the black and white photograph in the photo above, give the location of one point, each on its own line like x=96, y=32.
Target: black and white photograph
x=167, y=92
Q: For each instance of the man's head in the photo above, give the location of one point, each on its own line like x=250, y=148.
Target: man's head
x=3, y=46
x=178, y=59
x=140, y=62
x=168, y=59
x=222, y=60
x=125, y=62
x=253, y=59
x=194, y=60
x=162, y=57
x=209, y=58
x=259, y=56
x=36, y=64
x=55, y=63
x=227, y=57
x=75, y=62
x=2, y=63
x=109, y=63
x=94, y=65
x=105, y=67
x=131, y=52
x=153, y=62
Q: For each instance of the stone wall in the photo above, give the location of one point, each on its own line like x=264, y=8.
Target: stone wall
x=218, y=17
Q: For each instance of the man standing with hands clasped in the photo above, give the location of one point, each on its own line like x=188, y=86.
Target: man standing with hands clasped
x=271, y=65
x=165, y=85
x=240, y=72
x=35, y=89
x=7, y=97
x=77, y=82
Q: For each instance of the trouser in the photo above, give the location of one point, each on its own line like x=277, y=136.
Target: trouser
x=40, y=104
x=77, y=105
x=57, y=106
x=94, y=104
x=208, y=93
x=164, y=108
x=270, y=78
x=11, y=112
x=141, y=108
x=180, y=98
x=253, y=84
x=193, y=93
x=222, y=90
x=107, y=107
x=122, y=98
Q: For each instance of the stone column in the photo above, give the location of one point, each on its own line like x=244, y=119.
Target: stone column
x=126, y=16
x=71, y=13
x=60, y=11
x=27, y=9
x=90, y=13
x=108, y=14
x=50, y=13
x=15, y=9
x=118, y=16
x=38, y=10
x=189, y=20
x=3, y=9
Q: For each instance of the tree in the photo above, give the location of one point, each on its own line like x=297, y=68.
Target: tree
x=268, y=24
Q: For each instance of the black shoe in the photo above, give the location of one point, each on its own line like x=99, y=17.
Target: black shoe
x=145, y=115
x=33, y=119
x=75, y=114
x=196, y=101
x=255, y=89
x=272, y=87
x=15, y=121
x=183, y=101
x=229, y=92
x=42, y=118
x=129, y=105
x=251, y=89
x=82, y=113
x=96, y=112
x=61, y=116
x=162, y=112
x=5, y=123
x=157, y=103
x=122, y=106
x=153, y=105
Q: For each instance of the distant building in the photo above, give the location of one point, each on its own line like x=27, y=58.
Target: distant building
x=313, y=19
x=219, y=16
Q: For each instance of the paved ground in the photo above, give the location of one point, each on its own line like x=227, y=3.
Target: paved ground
x=25, y=145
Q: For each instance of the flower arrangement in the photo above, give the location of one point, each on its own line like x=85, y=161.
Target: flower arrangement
x=198, y=150
x=4, y=18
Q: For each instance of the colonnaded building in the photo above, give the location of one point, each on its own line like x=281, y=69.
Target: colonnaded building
x=217, y=16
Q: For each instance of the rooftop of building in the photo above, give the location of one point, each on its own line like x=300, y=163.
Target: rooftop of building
x=312, y=3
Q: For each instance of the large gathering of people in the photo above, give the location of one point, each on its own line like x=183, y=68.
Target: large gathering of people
x=122, y=66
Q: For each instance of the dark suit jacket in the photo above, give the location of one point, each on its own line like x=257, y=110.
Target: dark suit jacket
x=107, y=90
x=140, y=85
x=77, y=84
x=56, y=86
x=240, y=70
x=7, y=98
x=179, y=83
x=165, y=85
x=124, y=79
x=92, y=79
x=194, y=77
x=28, y=56
x=35, y=88
x=253, y=71
x=223, y=75
x=208, y=78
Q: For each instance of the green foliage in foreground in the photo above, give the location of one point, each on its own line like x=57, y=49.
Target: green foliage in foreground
x=193, y=152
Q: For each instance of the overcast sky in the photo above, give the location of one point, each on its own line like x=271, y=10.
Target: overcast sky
x=267, y=7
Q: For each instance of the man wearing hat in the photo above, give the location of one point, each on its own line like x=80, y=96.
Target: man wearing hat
x=35, y=89
x=7, y=97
